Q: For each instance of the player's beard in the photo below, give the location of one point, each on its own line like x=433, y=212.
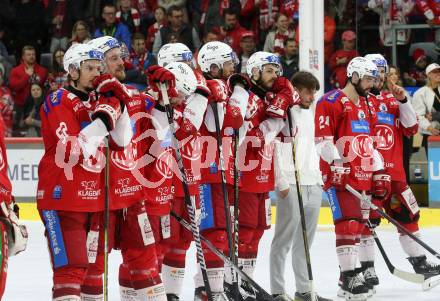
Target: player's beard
x=375, y=91
x=360, y=91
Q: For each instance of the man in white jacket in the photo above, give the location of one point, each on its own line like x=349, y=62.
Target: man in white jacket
x=288, y=232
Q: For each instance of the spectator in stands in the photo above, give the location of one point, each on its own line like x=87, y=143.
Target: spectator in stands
x=231, y=30
x=146, y=10
x=416, y=75
x=176, y=28
x=276, y=38
x=426, y=103
x=290, y=59
x=247, y=48
x=140, y=59
x=59, y=22
x=21, y=77
x=167, y=4
x=129, y=15
x=29, y=25
x=431, y=10
x=340, y=59
x=329, y=34
x=80, y=33
x=111, y=27
x=31, y=113
x=6, y=104
x=210, y=14
x=4, y=54
x=57, y=77
x=161, y=19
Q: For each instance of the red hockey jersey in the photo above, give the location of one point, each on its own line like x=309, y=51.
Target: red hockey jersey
x=394, y=120
x=5, y=183
x=348, y=127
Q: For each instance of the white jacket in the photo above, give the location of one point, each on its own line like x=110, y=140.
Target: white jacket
x=422, y=102
x=307, y=159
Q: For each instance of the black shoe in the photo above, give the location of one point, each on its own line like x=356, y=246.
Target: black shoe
x=352, y=286
x=422, y=266
x=369, y=272
x=172, y=297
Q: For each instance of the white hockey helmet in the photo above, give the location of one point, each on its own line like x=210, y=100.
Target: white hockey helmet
x=261, y=58
x=79, y=53
x=186, y=81
x=363, y=67
x=215, y=53
x=378, y=60
x=173, y=52
x=104, y=43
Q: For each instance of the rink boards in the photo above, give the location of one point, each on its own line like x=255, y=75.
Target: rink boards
x=428, y=218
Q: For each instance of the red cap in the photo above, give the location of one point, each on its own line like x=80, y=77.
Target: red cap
x=418, y=54
x=348, y=35
x=247, y=34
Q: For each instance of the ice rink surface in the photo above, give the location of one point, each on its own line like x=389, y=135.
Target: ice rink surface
x=29, y=275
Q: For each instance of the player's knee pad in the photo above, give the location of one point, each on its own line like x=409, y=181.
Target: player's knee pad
x=348, y=232
x=124, y=276
x=67, y=281
x=176, y=255
x=253, y=246
x=412, y=227
x=217, y=237
x=245, y=235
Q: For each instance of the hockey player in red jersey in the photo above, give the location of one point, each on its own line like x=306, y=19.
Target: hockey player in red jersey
x=217, y=62
x=343, y=127
x=139, y=274
x=13, y=237
x=173, y=267
x=395, y=118
x=270, y=97
x=71, y=177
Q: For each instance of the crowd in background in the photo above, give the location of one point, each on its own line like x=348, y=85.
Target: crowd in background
x=34, y=35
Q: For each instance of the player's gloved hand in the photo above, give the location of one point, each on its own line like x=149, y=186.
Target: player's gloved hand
x=158, y=75
x=339, y=177
x=238, y=79
x=285, y=96
x=108, y=110
x=202, y=86
x=17, y=234
x=219, y=90
x=108, y=85
x=381, y=185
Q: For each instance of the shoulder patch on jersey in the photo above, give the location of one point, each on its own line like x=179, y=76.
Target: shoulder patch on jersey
x=55, y=97
x=148, y=102
x=331, y=96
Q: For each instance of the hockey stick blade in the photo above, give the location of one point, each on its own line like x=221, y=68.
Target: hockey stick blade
x=225, y=258
x=430, y=283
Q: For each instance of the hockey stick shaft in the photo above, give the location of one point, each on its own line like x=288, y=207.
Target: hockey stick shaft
x=392, y=220
x=301, y=211
x=223, y=178
x=236, y=201
x=189, y=204
x=106, y=219
x=225, y=258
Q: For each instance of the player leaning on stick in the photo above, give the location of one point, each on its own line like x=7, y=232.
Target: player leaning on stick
x=395, y=118
x=343, y=124
x=288, y=235
x=71, y=177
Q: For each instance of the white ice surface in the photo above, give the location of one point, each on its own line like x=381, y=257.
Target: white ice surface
x=29, y=275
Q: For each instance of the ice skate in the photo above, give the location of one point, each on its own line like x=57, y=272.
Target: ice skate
x=308, y=297
x=172, y=297
x=422, y=266
x=369, y=273
x=352, y=286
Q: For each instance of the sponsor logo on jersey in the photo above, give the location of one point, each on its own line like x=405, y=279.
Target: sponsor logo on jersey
x=383, y=107
x=362, y=146
x=360, y=126
x=192, y=150
x=89, y=190
x=163, y=164
x=61, y=132
x=361, y=114
x=55, y=237
x=385, y=118
x=213, y=168
x=40, y=194
x=56, y=193
x=332, y=96
x=386, y=137
x=125, y=189
x=55, y=97
x=125, y=159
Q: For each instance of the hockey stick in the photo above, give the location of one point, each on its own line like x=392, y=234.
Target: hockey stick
x=301, y=212
x=407, y=276
x=223, y=177
x=243, y=275
x=106, y=218
x=189, y=204
x=236, y=200
x=391, y=220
